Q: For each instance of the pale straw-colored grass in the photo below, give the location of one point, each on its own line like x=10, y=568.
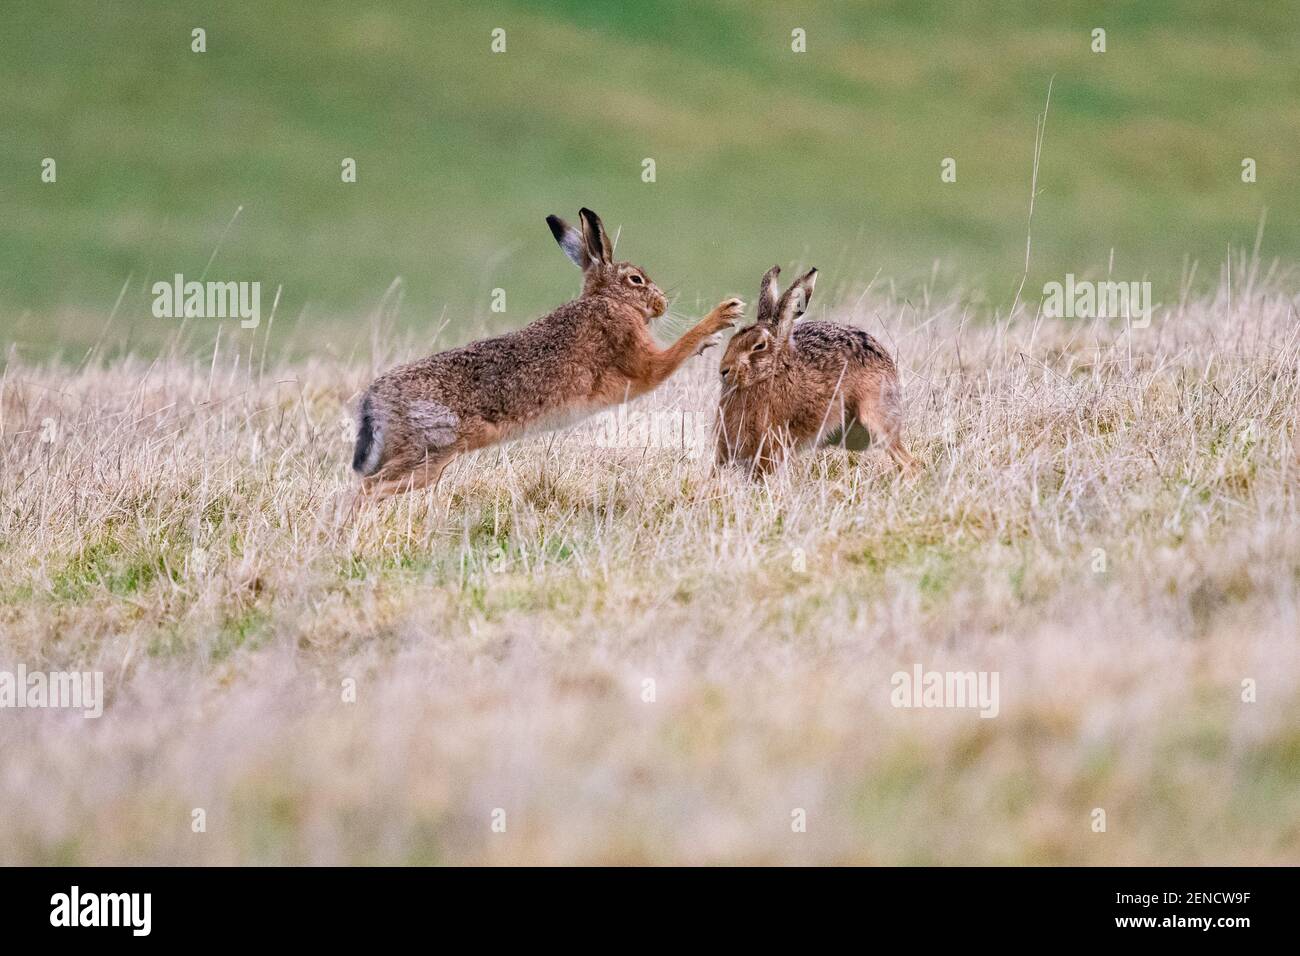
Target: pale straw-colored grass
x=177, y=532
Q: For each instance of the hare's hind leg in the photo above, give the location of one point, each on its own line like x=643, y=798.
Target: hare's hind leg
x=390, y=481
x=885, y=421
x=902, y=457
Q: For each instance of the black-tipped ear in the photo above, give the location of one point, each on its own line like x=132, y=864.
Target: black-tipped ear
x=793, y=304
x=599, y=248
x=570, y=241
x=767, y=294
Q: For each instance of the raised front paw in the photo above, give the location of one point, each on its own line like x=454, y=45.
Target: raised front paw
x=728, y=313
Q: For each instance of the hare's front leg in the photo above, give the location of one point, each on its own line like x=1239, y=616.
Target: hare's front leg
x=659, y=365
x=769, y=455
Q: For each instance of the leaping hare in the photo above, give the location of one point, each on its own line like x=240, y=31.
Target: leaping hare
x=788, y=386
x=590, y=353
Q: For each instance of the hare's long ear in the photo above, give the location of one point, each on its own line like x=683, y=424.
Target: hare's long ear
x=570, y=241
x=767, y=293
x=793, y=304
x=599, y=248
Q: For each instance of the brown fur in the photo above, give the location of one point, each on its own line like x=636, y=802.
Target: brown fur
x=787, y=387
x=590, y=353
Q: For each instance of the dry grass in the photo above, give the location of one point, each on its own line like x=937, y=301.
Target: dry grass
x=177, y=534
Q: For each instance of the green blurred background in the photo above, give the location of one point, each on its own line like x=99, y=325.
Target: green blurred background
x=830, y=157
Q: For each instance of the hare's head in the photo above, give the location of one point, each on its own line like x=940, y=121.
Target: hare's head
x=593, y=253
x=755, y=352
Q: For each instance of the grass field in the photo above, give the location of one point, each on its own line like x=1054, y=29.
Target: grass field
x=829, y=157
x=1107, y=519
x=578, y=652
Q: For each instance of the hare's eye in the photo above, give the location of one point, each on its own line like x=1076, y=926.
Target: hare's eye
x=635, y=279
x=762, y=344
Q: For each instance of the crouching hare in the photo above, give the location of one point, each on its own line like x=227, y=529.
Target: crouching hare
x=590, y=353
x=786, y=387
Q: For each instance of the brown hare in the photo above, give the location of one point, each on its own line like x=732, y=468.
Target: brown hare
x=787, y=386
x=590, y=353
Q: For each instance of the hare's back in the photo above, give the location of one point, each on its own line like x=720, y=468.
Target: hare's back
x=510, y=378
x=827, y=346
